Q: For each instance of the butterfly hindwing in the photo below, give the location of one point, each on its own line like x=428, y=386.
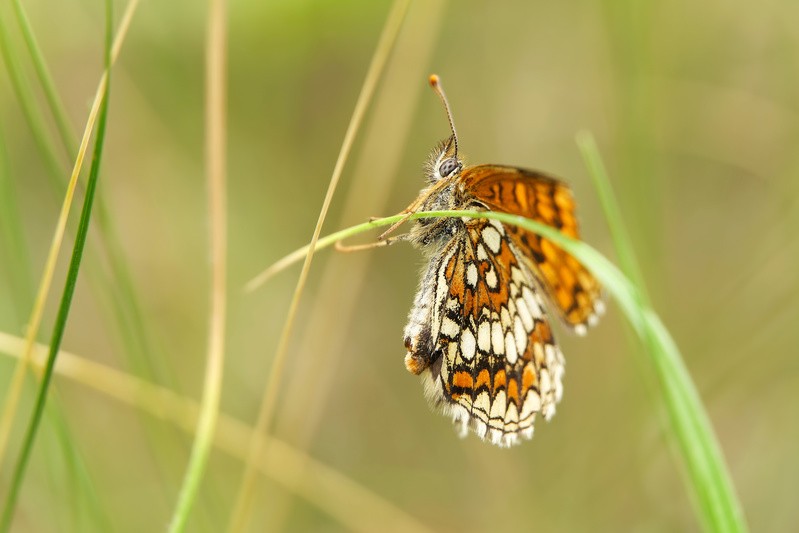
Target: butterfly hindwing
x=479, y=335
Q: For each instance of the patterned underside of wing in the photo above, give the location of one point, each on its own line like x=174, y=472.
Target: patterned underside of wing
x=572, y=289
x=488, y=356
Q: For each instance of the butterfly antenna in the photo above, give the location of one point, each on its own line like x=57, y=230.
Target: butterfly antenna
x=435, y=83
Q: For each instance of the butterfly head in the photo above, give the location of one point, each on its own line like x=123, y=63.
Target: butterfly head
x=444, y=161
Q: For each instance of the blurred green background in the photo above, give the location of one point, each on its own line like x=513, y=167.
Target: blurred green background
x=694, y=106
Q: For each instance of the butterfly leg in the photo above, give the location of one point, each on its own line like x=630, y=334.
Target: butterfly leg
x=341, y=247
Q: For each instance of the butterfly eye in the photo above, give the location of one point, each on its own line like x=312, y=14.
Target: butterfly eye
x=447, y=167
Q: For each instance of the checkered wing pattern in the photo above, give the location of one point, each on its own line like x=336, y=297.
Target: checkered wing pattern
x=479, y=336
x=573, y=291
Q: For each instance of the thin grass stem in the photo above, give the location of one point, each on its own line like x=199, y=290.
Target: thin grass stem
x=50, y=93
x=215, y=113
x=17, y=257
x=386, y=43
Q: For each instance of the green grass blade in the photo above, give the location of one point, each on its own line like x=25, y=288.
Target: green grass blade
x=105, y=263
x=708, y=479
x=618, y=231
x=15, y=252
x=66, y=301
x=56, y=108
x=118, y=293
x=22, y=292
x=84, y=492
x=129, y=317
x=34, y=119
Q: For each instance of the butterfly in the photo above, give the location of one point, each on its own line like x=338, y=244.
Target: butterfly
x=479, y=333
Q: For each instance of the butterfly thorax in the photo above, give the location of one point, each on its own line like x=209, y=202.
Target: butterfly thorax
x=431, y=234
x=445, y=192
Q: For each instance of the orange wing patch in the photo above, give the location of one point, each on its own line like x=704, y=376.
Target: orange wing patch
x=570, y=287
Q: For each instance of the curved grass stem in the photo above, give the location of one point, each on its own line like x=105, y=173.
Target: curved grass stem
x=709, y=481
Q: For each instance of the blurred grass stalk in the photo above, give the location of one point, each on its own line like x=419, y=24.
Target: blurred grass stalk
x=356, y=507
x=388, y=38
x=113, y=290
x=65, y=304
x=709, y=481
x=216, y=162
x=342, y=283
x=117, y=292
x=35, y=122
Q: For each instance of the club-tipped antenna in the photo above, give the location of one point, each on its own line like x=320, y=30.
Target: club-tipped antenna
x=435, y=83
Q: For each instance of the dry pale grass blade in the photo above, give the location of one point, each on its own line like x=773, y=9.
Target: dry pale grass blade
x=216, y=161
x=341, y=283
x=355, y=506
x=12, y=396
x=275, y=268
x=299, y=254
x=379, y=59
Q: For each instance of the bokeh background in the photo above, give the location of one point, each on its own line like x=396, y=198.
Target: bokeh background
x=694, y=106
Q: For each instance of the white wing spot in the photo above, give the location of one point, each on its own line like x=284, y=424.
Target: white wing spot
x=524, y=313
x=512, y=416
x=521, y=335
x=483, y=402
x=498, y=406
x=492, y=239
x=510, y=348
x=532, y=302
x=467, y=344
x=484, y=336
x=471, y=275
x=450, y=328
x=442, y=288
x=452, y=352
x=497, y=339
x=532, y=404
x=517, y=276
x=453, y=304
x=505, y=317
x=491, y=278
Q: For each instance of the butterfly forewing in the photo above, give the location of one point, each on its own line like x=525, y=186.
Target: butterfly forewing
x=574, y=292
